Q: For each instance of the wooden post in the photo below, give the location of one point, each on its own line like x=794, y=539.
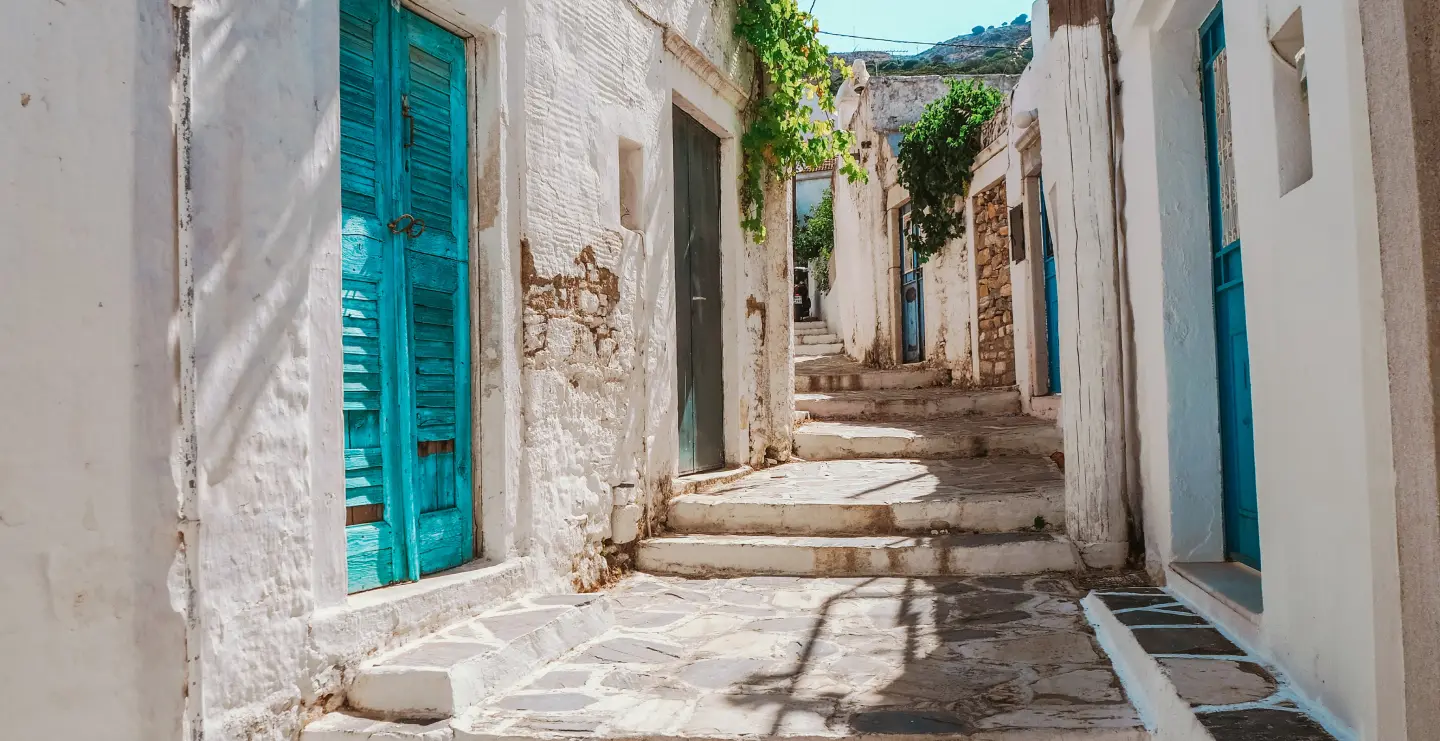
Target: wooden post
x=1079, y=154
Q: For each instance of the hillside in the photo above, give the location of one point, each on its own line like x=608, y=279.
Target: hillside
x=973, y=53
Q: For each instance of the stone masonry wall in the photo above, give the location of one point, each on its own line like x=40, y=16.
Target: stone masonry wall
x=992, y=289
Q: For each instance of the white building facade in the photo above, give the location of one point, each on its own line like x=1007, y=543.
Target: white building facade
x=190, y=182
x=1233, y=277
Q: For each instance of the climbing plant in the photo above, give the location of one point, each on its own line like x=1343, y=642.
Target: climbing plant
x=936, y=155
x=815, y=239
x=780, y=134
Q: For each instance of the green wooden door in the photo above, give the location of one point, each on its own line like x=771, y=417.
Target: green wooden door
x=405, y=306
x=698, y=327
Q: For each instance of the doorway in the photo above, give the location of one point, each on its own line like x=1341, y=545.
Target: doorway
x=1237, y=434
x=1052, y=297
x=698, y=327
x=912, y=294
x=405, y=295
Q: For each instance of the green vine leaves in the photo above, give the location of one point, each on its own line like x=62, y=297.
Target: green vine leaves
x=936, y=157
x=782, y=136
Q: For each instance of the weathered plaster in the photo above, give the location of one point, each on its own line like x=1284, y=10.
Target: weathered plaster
x=89, y=494
x=569, y=410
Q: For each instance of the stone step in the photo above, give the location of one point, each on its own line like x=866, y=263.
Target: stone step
x=802, y=416
x=840, y=373
x=829, y=338
x=908, y=403
x=880, y=497
x=1190, y=679
x=458, y=667
x=996, y=554
x=812, y=350
x=970, y=436
x=808, y=328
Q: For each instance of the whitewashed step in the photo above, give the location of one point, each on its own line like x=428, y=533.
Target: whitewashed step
x=453, y=670
x=880, y=497
x=813, y=350
x=808, y=328
x=801, y=417
x=840, y=373
x=348, y=726
x=1192, y=681
x=956, y=437
x=829, y=338
x=960, y=555
x=908, y=403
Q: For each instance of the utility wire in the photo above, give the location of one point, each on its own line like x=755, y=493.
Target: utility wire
x=923, y=43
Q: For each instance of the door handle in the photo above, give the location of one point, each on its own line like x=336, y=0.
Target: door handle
x=412, y=228
x=395, y=224
x=697, y=298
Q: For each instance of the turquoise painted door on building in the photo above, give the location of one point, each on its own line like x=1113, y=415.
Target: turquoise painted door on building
x=405, y=295
x=1052, y=298
x=1237, y=433
x=912, y=294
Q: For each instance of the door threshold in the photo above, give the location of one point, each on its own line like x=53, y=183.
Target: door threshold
x=704, y=482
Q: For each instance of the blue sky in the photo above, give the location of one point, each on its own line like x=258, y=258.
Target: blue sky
x=917, y=20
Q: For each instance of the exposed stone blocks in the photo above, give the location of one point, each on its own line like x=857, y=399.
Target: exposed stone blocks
x=994, y=315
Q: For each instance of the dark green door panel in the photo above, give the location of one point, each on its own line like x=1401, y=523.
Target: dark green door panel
x=698, y=329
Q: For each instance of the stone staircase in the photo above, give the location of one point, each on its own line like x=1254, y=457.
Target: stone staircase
x=813, y=337
x=902, y=475
x=898, y=581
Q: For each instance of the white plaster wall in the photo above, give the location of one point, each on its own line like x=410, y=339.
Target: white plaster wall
x=1027, y=287
x=860, y=302
x=1315, y=332
x=92, y=316
x=597, y=72
x=950, y=307
x=88, y=501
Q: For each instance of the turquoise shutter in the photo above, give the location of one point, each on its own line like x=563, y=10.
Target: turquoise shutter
x=434, y=189
x=367, y=289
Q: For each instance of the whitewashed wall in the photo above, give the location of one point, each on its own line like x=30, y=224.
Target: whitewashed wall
x=88, y=495
x=861, y=299
x=94, y=312
x=1315, y=333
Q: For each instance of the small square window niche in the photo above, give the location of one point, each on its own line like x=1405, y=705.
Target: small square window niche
x=1292, y=104
x=632, y=179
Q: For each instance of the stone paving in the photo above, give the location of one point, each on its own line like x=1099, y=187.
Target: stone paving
x=826, y=658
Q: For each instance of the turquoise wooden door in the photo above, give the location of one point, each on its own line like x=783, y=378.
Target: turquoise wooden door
x=912, y=294
x=1052, y=298
x=405, y=291
x=1237, y=434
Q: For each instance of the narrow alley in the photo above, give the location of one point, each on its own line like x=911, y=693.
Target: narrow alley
x=720, y=370
x=906, y=577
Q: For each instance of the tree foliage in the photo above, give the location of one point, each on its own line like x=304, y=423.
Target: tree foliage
x=936, y=156
x=815, y=239
x=781, y=135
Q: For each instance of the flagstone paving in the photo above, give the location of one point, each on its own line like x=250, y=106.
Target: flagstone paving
x=782, y=656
